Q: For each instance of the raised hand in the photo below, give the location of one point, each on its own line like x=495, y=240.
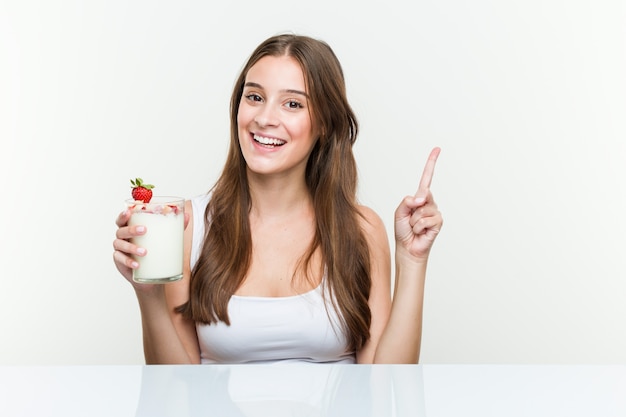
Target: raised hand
x=417, y=218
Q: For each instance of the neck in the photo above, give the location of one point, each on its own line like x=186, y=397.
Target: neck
x=276, y=197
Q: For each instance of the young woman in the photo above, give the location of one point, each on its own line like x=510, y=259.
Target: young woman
x=281, y=262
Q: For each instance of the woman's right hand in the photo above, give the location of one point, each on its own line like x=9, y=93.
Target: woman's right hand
x=124, y=249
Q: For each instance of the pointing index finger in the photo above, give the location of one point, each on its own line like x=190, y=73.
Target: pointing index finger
x=427, y=175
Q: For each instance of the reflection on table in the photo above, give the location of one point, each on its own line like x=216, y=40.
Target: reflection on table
x=313, y=390
x=277, y=390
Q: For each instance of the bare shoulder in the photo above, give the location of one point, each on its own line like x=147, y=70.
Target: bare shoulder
x=188, y=235
x=372, y=225
x=189, y=213
x=369, y=218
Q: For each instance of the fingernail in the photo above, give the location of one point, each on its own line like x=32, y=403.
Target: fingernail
x=134, y=264
x=140, y=229
x=140, y=251
x=419, y=200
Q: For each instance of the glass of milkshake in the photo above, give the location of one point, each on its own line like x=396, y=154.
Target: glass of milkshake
x=164, y=219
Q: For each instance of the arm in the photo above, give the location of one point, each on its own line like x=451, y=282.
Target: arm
x=167, y=337
x=177, y=293
x=417, y=224
x=380, y=293
x=402, y=338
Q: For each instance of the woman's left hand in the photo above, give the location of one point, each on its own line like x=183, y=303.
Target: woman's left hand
x=417, y=219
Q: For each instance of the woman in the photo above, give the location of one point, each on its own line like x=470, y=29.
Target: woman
x=281, y=262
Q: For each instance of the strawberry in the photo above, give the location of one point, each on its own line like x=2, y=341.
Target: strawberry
x=141, y=191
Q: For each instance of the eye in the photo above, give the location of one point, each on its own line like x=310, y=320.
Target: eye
x=294, y=104
x=253, y=97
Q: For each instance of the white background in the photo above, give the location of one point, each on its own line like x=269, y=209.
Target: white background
x=527, y=100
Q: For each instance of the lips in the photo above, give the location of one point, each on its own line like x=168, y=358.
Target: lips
x=268, y=142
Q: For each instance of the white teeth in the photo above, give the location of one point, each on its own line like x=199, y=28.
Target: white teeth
x=268, y=141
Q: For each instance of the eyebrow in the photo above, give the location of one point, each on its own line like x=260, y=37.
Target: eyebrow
x=291, y=91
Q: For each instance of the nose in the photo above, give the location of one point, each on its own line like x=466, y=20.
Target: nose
x=266, y=117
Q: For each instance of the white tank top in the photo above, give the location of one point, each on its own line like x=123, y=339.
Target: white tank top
x=270, y=329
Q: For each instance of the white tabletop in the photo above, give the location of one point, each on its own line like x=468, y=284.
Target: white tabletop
x=314, y=390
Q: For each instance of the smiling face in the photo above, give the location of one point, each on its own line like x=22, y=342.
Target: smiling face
x=276, y=133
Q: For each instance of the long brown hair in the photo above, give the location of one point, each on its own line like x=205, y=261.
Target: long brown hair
x=331, y=177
